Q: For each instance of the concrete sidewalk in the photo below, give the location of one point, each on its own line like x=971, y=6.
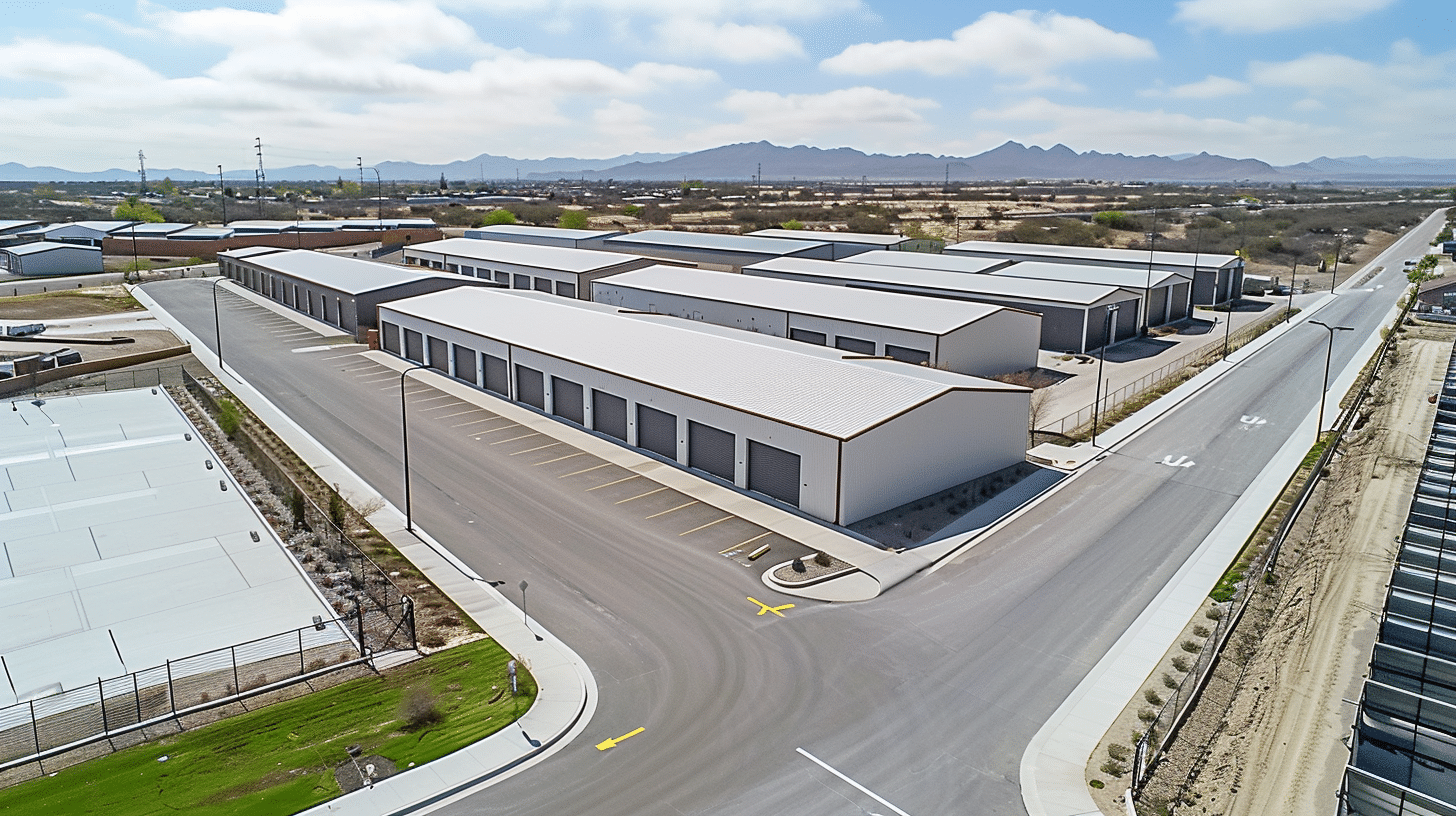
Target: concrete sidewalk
x=567, y=695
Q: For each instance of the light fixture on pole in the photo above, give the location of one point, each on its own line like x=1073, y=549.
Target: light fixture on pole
x=1101, y=361
x=378, y=197
x=1325, y=383
x=404, y=435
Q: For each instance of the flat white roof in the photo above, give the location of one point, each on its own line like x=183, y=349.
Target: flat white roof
x=714, y=241
x=1027, y=289
x=112, y=525
x=874, y=239
x=1107, y=254
x=561, y=259
x=107, y=227
x=353, y=276
x=547, y=232
x=926, y=260
x=1110, y=275
x=870, y=306
x=834, y=396
x=159, y=229
x=38, y=247
x=249, y=252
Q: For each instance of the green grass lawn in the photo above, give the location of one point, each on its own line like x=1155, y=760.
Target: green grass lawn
x=280, y=759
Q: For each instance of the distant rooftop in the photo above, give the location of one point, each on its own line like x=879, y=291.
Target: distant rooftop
x=1109, y=275
x=549, y=232
x=1107, y=254
x=714, y=241
x=37, y=247
x=926, y=260
x=951, y=283
x=353, y=276
x=563, y=259
x=871, y=238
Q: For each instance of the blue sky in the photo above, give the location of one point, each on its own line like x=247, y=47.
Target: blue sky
x=85, y=85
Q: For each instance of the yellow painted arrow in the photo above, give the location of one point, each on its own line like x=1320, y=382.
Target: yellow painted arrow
x=765, y=608
x=612, y=743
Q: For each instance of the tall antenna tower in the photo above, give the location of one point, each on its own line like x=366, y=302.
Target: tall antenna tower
x=258, y=175
x=142, y=170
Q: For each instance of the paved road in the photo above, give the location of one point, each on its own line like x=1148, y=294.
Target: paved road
x=927, y=696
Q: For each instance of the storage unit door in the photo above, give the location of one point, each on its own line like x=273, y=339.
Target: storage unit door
x=414, y=346
x=806, y=336
x=854, y=344
x=531, y=387
x=497, y=376
x=465, y=365
x=657, y=431
x=1180, y=301
x=908, y=355
x=773, y=472
x=565, y=289
x=1157, y=306
x=502, y=277
x=521, y=282
x=389, y=337
x=566, y=400
x=710, y=450
x=439, y=355
x=543, y=285
x=609, y=414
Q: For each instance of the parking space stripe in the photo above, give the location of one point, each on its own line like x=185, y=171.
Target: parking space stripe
x=541, y=447
x=493, y=430
x=514, y=438
x=705, y=526
x=751, y=540
x=679, y=507
x=462, y=413
x=585, y=470
x=476, y=421
x=640, y=495
x=609, y=484
x=559, y=458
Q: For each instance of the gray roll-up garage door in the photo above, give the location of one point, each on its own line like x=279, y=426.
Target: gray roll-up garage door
x=521, y=282
x=806, y=336
x=543, y=285
x=566, y=400
x=502, y=277
x=465, y=365
x=657, y=431
x=389, y=337
x=1180, y=300
x=497, y=376
x=439, y=355
x=854, y=344
x=710, y=450
x=773, y=472
x=414, y=346
x=609, y=414
x=531, y=387
x=1125, y=325
x=908, y=355
x=565, y=289
x=1157, y=306
x=1204, y=283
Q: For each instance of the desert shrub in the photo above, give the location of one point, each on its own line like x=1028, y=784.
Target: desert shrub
x=419, y=709
x=229, y=417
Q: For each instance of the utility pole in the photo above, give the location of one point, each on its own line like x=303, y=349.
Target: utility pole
x=1148, y=290
x=142, y=169
x=258, y=177
x=222, y=191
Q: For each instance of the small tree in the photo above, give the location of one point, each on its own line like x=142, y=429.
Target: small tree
x=494, y=217
x=134, y=210
x=793, y=224
x=229, y=417
x=573, y=219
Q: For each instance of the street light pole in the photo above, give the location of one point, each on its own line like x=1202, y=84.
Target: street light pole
x=1228, y=323
x=524, y=615
x=1336, y=268
x=1148, y=290
x=1102, y=360
x=217, y=322
x=404, y=434
x=378, y=197
x=1325, y=383
x=1289, y=312
x=222, y=192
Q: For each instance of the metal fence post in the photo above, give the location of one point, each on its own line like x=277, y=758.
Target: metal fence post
x=136, y=693
x=101, y=696
x=34, y=728
x=301, y=669
x=171, y=696
x=359, y=611
x=237, y=684
x=409, y=615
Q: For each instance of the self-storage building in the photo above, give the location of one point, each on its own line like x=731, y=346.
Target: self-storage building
x=836, y=435
x=551, y=269
x=1215, y=278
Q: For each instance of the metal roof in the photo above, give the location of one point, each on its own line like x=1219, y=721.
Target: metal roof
x=561, y=259
x=1081, y=295
x=546, y=232
x=249, y=252
x=150, y=230
x=106, y=227
x=1109, y=275
x=261, y=226
x=1008, y=249
x=926, y=260
x=353, y=276
x=874, y=239
x=37, y=247
x=203, y=233
x=830, y=395
x=868, y=306
x=9, y=225
x=112, y=526
x=714, y=241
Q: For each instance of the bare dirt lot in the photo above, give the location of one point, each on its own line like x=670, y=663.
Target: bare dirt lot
x=1269, y=734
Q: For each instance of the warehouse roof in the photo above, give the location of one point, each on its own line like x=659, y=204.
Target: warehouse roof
x=37, y=247
x=203, y=233
x=107, y=227
x=950, y=283
x=839, y=397
x=561, y=259
x=352, y=276
x=249, y=252
x=925, y=260
x=1110, y=275
x=546, y=232
x=716, y=242
x=869, y=306
x=1105, y=254
x=10, y=225
x=871, y=238
x=156, y=230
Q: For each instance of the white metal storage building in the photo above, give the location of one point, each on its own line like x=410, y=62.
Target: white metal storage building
x=1164, y=295
x=85, y=233
x=838, y=437
x=49, y=258
x=1216, y=278
x=715, y=250
x=1073, y=315
x=550, y=269
x=926, y=260
x=335, y=289
x=543, y=236
x=968, y=338
x=845, y=243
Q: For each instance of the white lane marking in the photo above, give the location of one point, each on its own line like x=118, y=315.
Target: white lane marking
x=308, y=349
x=1253, y=420
x=861, y=788
x=1180, y=462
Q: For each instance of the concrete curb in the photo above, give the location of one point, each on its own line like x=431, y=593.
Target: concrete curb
x=567, y=695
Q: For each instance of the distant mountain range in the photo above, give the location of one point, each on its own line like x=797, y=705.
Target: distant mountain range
x=772, y=163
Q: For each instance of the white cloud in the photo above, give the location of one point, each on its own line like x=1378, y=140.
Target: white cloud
x=689, y=37
x=1020, y=44
x=1211, y=87
x=721, y=10
x=66, y=64
x=1261, y=16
